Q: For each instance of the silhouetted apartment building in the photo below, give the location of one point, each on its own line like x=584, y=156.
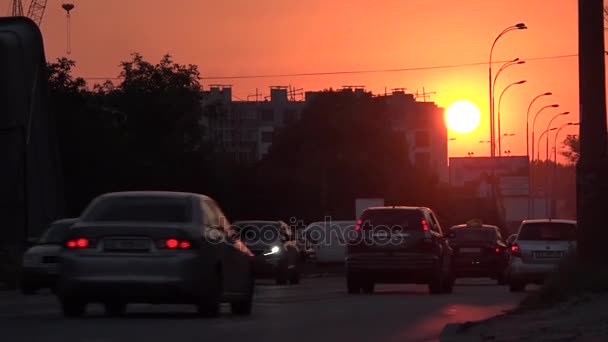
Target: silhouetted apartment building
x=424, y=128
x=244, y=129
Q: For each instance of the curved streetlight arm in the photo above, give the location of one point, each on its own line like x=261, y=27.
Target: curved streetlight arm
x=503, y=67
x=508, y=29
x=538, y=142
x=528, y=122
x=555, y=117
x=537, y=113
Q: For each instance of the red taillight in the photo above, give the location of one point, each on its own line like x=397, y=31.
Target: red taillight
x=425, y=225
x=78, y=243
x=174, y=243
x=515, y=250
x=358, y=226
x=497, y=250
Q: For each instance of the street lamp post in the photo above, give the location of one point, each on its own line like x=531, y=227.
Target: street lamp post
x=498, y=117
x=538, y=142
x=528, y=124
x=530, y=208
x=519, y=26
x=534, y=123
x=554, y=187
x=538, y=161
x=548, y=126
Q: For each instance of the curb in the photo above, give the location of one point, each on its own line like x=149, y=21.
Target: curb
x=454, y=331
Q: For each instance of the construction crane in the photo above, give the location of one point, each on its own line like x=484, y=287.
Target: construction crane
x=35, y=11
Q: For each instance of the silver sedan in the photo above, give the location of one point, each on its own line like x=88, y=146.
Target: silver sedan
x=154, y=247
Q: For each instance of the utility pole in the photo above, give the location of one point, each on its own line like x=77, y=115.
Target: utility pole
x=591, y=169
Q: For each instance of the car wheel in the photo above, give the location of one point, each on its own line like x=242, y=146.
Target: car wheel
x=517, y=286
x=243, y=307
x=352, y=284
x=368, y=288
x=28, y=289
x=281, y=276
x=448, y=285
x=115, y=308
x=209, y=304
x=294, y=276
x=501, y=279
x=72, y=307
x=436, y=285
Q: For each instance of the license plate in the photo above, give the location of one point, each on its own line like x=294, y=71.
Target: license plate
x=126, y=245
x=470, y=250
x=548, y=254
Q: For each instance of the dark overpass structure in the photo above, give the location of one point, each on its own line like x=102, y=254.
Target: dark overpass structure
x=31, y=193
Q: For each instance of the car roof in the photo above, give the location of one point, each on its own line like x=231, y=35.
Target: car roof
x=397, y=208
x=548, y=220
x=66, y=220
x=170, y=194
x=257, y=221
x=460, y=226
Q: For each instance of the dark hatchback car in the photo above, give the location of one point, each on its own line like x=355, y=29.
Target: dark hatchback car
x=398, y=245
x=479, y=251
x=40, y=265
x=274, y=247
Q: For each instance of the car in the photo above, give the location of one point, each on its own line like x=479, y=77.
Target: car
x=479, y=252
x=511, y=239
x=40, y=266
x=400, y=244
x=327, y=239
x=540, y=246
x=154, y=247
x=274, y=247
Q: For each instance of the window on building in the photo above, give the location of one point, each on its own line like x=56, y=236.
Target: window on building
x=423, y=139
x=423, y=159
x=267, y=137
x=267, y=114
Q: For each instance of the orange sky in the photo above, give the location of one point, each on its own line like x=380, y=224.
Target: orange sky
x=242, y=37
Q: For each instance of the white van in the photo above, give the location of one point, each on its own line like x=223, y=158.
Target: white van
x=327, y=240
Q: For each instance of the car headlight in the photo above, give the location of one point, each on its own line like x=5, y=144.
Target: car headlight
x=273, y=250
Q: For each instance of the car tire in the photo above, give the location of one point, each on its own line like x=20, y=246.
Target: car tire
x=448, y=285
x=436, y=284
x=501, y=280
x=281, y=276
x=209, y=304
x=368, y=288
x=294, y=276
x=28, y=289
x=352, y=284
x=115, y=309
x=243, y=307
x=517, y=286
x=72, y=307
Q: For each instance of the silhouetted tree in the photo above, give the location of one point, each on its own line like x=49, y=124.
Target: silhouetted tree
x=343, y=147
x=572, y=151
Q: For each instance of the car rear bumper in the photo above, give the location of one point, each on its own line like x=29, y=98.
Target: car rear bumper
x=266, y=266
x=403, y=268
x=41, y=277
x=481, y=267
x=526, y=272
x=168, y=279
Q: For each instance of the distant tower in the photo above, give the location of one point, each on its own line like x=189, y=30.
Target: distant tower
x=68, y=6
x=17, y=8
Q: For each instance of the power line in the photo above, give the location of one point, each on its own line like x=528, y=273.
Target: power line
x=326, y=73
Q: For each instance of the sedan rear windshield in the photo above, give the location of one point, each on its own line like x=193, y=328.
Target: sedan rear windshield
x=141, y=209
x=392, y=219
x=548, y=231
x=56, y=233
x=474, y=234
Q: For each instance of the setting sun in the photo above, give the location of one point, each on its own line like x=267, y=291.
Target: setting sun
x=462, y=116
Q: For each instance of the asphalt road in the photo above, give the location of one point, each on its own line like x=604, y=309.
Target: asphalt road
x=316, y=310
